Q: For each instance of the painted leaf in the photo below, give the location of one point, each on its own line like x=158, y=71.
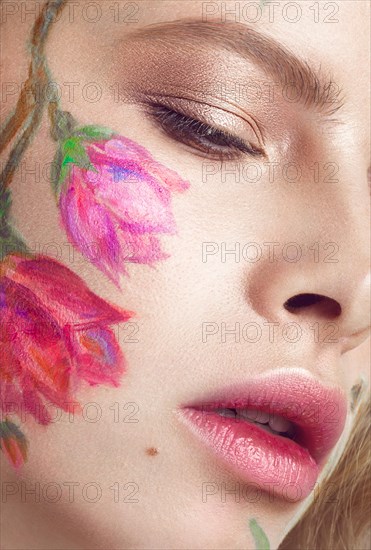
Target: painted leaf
x=13, y=443
x=93, y=132
x=260, y=538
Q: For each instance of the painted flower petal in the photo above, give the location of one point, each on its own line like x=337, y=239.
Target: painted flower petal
x=90, y=227
x=41, y=363
x=122, y=192
x=61, y=292
x=97, y=356
x=139, y=202
x=13, y=443
x=123, y=149
x=35, y=352
x=142, y=249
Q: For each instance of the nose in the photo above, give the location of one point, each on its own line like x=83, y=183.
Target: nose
x=319, y=271
x=309, y=292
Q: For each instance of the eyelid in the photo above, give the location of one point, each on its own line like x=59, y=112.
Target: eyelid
x=217, y=117
x=199, y=131
x=202, y=139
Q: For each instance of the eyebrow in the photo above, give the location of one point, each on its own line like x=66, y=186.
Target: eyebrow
x=314, y=88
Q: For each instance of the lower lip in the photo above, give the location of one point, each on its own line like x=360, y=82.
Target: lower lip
x=274, y=464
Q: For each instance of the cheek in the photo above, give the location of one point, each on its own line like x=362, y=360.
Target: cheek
x=110, y=192
x=356, y=368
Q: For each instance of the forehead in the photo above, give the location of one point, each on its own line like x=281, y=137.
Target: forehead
x=332, y=35
x=304, y=25
x=331, y=23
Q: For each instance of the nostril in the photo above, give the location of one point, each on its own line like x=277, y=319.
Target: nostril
x=315, y=304
x=303, y=300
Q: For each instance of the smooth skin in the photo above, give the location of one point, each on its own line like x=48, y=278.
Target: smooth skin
x=147, y=476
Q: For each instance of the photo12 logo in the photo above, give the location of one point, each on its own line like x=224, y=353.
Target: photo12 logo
x=75, y=11
x=271, y=11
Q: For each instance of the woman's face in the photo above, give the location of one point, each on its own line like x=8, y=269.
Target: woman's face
x=276, y=210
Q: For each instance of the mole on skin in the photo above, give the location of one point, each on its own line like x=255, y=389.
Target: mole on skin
x=152, y=451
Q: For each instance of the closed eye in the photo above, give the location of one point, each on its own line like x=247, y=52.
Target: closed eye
x=210, y=140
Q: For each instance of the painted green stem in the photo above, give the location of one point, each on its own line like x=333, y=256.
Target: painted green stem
x=260, y=538
x=24, y=121
x=28, y=98
x=10, y=240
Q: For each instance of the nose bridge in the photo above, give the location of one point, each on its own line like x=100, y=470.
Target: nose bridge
x=354, y=253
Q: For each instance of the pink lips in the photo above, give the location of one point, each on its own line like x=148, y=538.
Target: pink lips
x=287, y=468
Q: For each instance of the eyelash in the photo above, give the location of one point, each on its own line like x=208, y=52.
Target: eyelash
x=208, y=139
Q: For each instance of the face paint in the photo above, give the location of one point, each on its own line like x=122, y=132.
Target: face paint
x=260, y=538
x=114, y=199
x=115, y=203
x=13, y=443
x=55, y=333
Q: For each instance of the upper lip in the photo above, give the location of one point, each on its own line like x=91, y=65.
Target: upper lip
x=318, y=412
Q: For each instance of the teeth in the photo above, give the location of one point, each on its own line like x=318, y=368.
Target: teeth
x=255, y=416
x=271, y=423
x=279, y=424
x=228, y=413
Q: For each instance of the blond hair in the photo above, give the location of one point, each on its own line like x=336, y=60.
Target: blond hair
x=339, y=518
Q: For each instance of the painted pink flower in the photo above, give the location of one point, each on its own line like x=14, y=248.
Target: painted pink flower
x=115, y=199
x=54, y=334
